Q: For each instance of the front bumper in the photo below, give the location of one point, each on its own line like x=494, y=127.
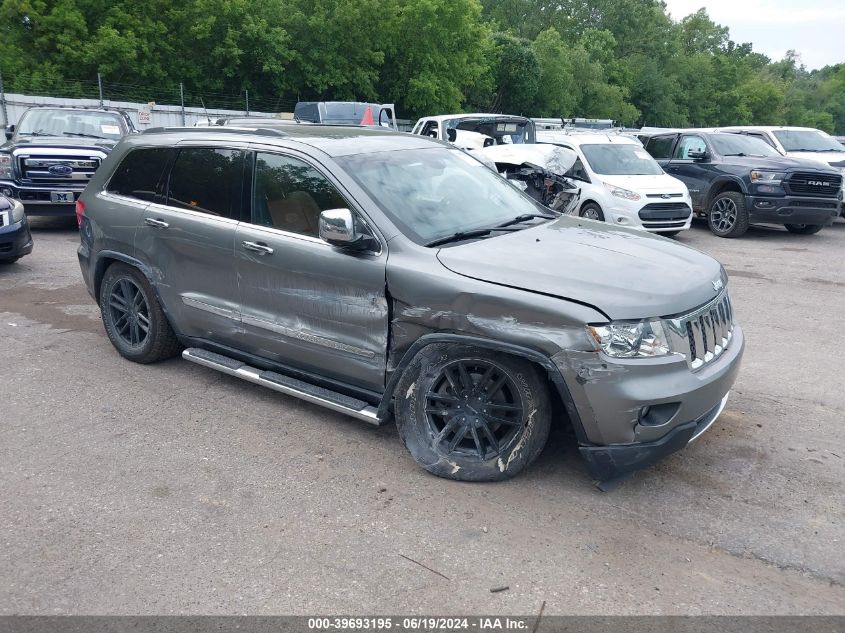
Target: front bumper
x=609, y=395
x=37, y=201
x=15, y=240
x=792, y=210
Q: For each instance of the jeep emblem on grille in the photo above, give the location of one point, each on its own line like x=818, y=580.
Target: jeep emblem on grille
x=60, y=170
x=718, y=285
x=817, y=183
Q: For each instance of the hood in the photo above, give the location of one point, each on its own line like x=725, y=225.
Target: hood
x=624, y=273
x=828, y=159
x=778, y=162
x=658, y=183
x=69, y=142
x=553, y=158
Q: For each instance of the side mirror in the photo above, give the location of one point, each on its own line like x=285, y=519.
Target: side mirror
x=337, y=227
x=452, y=134
x=698, y=154
x=10, y=132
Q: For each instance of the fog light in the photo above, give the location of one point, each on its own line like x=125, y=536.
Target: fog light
x=763, y=204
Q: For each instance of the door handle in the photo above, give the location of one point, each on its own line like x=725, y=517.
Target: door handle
x=159, y=224
x=258, y=247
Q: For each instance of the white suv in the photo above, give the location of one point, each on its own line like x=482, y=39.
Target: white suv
x=621, y=183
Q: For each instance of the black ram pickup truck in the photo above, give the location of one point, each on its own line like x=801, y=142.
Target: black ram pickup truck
x=52, y=152
x=736, y=181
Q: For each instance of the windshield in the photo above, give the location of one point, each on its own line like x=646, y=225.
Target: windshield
x=46, y=122
x=502, y=131
x=807, y=141
x=433, y=193
x=738, y=145
x=614, y=159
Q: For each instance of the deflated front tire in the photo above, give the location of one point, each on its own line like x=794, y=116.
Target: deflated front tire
x=471, y=414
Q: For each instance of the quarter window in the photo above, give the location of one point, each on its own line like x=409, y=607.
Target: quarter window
x=289, y=195
x=139, y=173
x=660, y=147
x=207, y=180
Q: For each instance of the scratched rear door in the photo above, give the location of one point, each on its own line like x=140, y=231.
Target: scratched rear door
x=305, y=303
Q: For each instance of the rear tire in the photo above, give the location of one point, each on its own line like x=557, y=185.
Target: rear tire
x=803, y=229
x=592, y=211
x=134, y=321
x=728, y=216
x=471, y=414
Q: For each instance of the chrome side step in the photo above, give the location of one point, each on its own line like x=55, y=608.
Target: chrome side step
x=285, y=384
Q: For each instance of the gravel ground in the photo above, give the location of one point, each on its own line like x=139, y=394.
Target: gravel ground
x=172, y=489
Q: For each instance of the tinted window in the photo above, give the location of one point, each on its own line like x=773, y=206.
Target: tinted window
x=689, y=144
x=207, y=180
x=289, y=195
x=806, y=141
x=660, y=146
x=138, y=174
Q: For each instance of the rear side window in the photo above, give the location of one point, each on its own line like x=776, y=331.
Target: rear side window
x=208, y=180
x=139, y=173
x=660, y=147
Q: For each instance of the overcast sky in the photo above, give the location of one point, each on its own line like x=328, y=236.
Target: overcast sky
x=813, y=28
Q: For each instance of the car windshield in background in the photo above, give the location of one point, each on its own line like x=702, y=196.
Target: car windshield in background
x=807, y=141
x=45, y=122
x=614, y=159
x=738, y=145
x=433, y=193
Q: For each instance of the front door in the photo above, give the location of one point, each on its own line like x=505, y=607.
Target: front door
x=188, y=240
x=692, y=171
x=304, y=303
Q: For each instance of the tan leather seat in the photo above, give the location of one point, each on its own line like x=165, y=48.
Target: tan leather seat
x=298, y=213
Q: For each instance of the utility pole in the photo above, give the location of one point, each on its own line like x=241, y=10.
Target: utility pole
x=3, y=102
x=100, y=87
x=247, y=102
x=182, y=101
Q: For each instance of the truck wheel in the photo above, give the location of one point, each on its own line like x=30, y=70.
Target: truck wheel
x=134, y=321
x=728, y=216
x=803, y=229
x=471, y=414
x=592, y=211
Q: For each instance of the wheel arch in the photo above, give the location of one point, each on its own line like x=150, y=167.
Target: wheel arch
x=106, y=259
x=720, y=187
x=558, y=388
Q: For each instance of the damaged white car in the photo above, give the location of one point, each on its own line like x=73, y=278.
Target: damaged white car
x=539, y=170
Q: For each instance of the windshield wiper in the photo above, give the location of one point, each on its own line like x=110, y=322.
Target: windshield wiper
x=466, y=235
x=82, y=134
x=524, y=218
x=35, y=133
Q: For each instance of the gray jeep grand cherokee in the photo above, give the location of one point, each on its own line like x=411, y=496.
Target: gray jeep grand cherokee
x=385, y=276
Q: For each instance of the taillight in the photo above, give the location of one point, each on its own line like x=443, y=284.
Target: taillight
x=80, y=211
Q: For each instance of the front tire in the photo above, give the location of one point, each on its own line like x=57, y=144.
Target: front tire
x=728, y=215
x=472, y=414
x=592, y=211
x=803, y=229
x=134, y=320
x=9, y=260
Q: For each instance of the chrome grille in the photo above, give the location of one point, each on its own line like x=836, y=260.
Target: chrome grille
x=36, y=169
x=703, y=335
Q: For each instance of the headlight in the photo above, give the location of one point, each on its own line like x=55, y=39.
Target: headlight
x=5, y=166
x=639, y=339
x=768, y=177
x=17, y=211
x=619, y=192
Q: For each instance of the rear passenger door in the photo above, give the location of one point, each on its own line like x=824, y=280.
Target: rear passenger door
x=187, y=239
x=306, y=304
